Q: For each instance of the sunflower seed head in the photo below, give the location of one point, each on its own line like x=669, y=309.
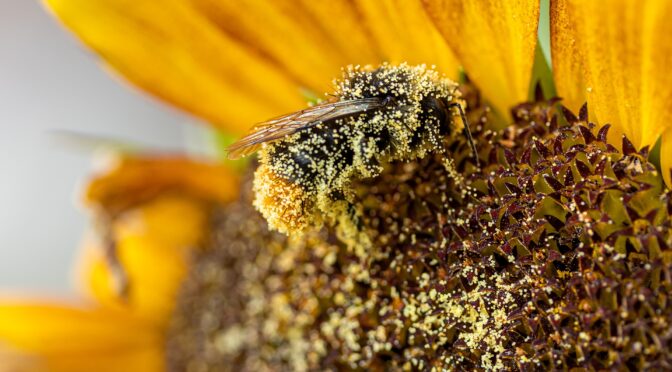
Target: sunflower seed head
x=555, y=254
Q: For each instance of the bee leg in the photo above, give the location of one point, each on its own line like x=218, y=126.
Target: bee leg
x=354, y=216
x=467, y=131
x=350, y=209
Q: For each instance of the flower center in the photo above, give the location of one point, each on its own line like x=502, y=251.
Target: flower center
x=556, y=254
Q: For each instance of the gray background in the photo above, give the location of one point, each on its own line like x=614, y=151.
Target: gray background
x=48, y=82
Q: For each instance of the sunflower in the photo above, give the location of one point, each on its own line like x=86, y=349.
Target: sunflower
x=233, y=64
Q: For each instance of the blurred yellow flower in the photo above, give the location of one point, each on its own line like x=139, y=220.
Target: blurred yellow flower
x=158, y=211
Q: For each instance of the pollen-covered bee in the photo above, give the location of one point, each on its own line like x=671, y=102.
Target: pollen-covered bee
x=308, y=159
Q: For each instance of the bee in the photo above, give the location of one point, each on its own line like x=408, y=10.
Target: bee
x=309, y=159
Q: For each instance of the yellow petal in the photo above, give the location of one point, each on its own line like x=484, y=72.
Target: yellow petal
x=313, y=40
x=65, y=338
x=372, y=32
x=287, y=34
x=404, y=33
x=131, y=181
x=172, y=50
x=666, y=157
x=236, y=63
x=154, y=244
x=495, y=42
x=568, y=66
x=626, y=49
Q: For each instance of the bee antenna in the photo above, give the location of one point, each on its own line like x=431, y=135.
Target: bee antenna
x=467, y=131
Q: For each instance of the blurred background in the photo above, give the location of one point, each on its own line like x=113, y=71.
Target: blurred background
x=50, y=83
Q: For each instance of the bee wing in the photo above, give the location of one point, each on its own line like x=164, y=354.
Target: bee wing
x=283, y=126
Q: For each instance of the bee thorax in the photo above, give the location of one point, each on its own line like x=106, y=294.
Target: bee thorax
x=304, y=175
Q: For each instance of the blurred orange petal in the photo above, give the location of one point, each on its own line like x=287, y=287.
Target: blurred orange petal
x=135, y=180
x=154, y=211
x=154, y=244
x=494, y=40
x=62, y=338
